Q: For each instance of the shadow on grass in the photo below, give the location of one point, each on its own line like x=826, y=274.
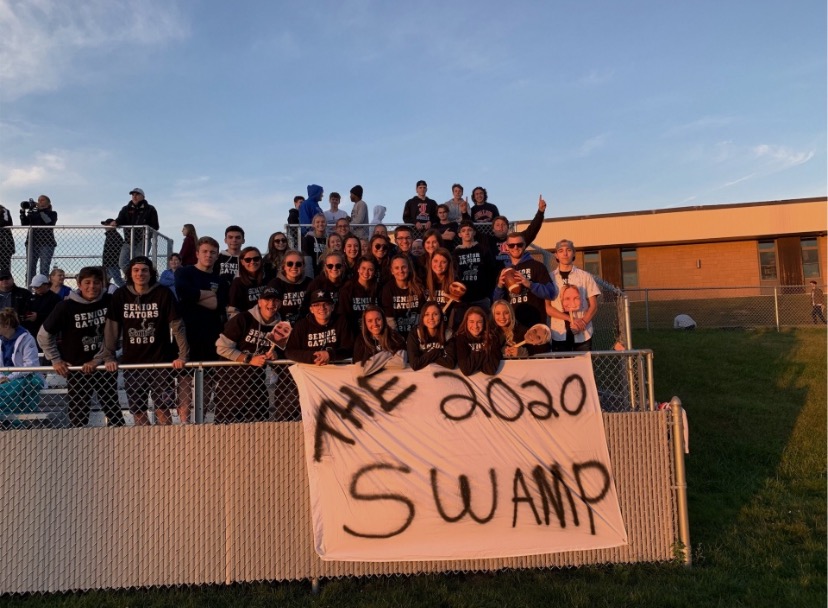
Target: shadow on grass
x=743, y=392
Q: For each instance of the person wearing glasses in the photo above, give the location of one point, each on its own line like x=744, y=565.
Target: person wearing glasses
x=322, y=337
x=277, y=247
x=496, y=242
x=245, y=288
x=293, y=285
x=342, y=227
x=578, y=322
x=380, y=250
x=330, y=280
x=404, y=240
x=528, y=282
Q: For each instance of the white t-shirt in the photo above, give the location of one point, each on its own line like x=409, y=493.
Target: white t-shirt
x=332, y=216
x=588, y=288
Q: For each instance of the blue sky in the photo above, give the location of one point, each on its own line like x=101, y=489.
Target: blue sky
x=223, y=111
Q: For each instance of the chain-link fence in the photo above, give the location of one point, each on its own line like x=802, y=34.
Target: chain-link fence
x=27, y=250
x=228, y=392
x=294, y=232
x=726, y=307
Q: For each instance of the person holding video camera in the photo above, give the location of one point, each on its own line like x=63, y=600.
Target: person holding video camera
x=43, y=239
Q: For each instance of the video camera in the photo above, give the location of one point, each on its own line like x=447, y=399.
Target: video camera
x=29, y=205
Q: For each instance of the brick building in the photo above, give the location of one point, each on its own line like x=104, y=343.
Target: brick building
x=767, y=244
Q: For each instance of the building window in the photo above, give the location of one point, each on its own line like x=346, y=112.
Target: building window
x=810, y=259
x=767, y=260
x=629, y=267
x=592, y=263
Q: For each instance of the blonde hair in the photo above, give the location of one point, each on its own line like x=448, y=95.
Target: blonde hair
x=508, y=332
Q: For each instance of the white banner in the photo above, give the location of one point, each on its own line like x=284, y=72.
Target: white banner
x=431, y=465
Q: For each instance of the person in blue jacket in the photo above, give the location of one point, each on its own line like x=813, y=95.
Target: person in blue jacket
x=310, y=207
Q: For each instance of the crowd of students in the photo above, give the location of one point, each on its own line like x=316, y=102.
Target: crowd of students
x=427, y=295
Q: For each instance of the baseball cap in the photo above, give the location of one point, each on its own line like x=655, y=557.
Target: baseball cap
x=136, y=191
x=39, y=280
x=321, y=296
x=270, y=293
x=107, y=222
x=5, y=274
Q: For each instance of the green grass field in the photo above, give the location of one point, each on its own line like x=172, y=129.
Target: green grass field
x=756, y=402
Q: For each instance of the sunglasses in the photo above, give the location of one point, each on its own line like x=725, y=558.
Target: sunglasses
x=514, y=245
x=294, y=264
x=380, y=247
x=253, y=260
x=280, y=241
x=333, y=266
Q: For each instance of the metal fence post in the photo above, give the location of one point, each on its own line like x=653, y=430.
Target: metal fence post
x=681, y=478
x=776, y=306
x=647, y=309
x=29, y=253
x=198, y=394
x=627, y=324
x=650, y=382
x=631, y=383
x=642, y=405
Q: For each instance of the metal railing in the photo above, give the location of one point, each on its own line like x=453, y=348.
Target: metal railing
x=79, y=246
x=725, y=307
x=230, y=392
x=294, y=232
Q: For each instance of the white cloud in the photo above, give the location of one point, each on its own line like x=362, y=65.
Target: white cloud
x=780, y=158
x=737, y=181
x=592, y=144
x=256, y=205
x=40, y=40
x=43, y=169
x=701, y=124
x=595, y=78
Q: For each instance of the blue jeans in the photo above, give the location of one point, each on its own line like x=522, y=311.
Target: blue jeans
x=114, y=273
x=42, y=253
